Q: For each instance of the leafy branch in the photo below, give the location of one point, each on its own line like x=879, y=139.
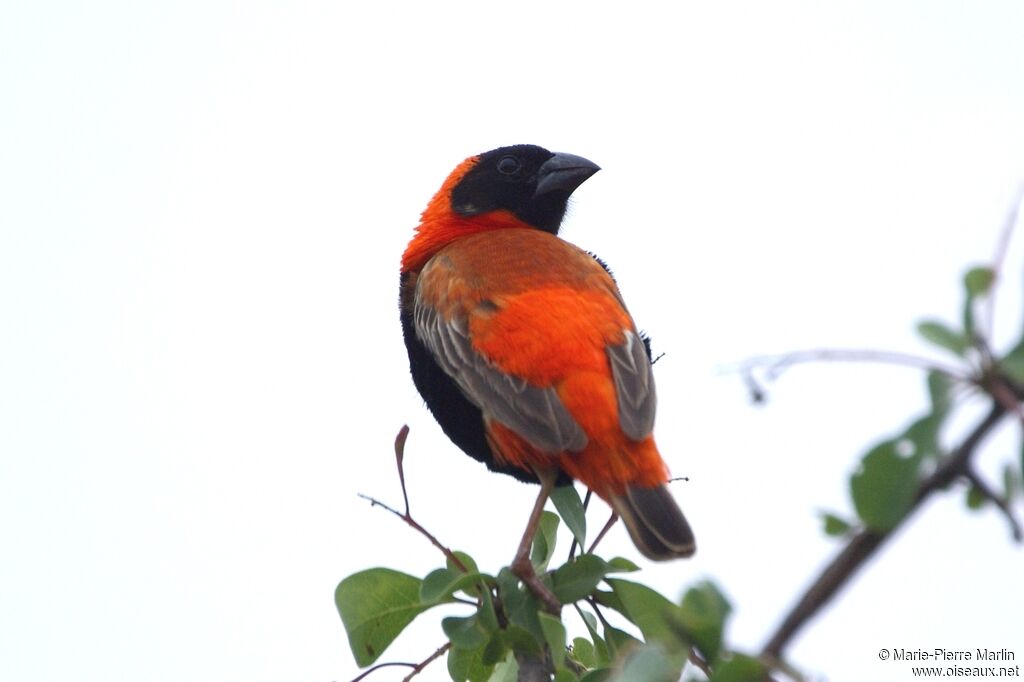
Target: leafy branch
x=510, y=633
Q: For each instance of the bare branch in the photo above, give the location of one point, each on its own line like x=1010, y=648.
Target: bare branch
x=1009, y=224
x=774, y=365
x=366, y=673
x=427, y=661
x=420, y=529
x=417, y=668
x=403, y=434
x=607, y=527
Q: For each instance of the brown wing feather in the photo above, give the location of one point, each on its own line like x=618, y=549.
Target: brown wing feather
x=634, y=386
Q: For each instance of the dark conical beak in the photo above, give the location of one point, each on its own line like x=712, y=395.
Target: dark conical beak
x=563, y=172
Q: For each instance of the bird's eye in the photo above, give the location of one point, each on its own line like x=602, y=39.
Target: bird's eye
x=508, y=165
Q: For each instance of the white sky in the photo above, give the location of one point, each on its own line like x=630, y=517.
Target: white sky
x=202, y=208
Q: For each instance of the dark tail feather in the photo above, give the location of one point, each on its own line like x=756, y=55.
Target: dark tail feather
x=655, y=523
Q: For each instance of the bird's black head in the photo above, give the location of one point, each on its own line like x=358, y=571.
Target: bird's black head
x=528, y=181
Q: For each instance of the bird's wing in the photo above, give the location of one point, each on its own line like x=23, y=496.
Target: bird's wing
x=536, y=413
x=634, y=385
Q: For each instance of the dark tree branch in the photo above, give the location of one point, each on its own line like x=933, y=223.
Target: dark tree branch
x=865, y=543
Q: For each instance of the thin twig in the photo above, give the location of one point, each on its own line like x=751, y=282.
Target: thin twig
x=420, y=529
x=774, y=365
x=417, y=668
x=427, y=661
x=1009, y=224
x=990, y=495
x=377, y=667
x=865, y=543
x=607, y=527
x=403, y=434
x=597, y=612
x=586, y=505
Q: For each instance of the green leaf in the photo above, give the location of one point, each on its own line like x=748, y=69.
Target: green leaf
x=465, y=632
x=521, y=607
x=375, y=606
x=975, y=498
x=440, y=584
x=1011, y=482
x=435, y=585
x=652, y=613
x=704, y=610
x=495, y=650
x=940, y=394
x=570, y=507
x=923, y=434
x=941, y=335
x=601, y=675
x=651, y=664
x=739, y=668
x=884, y=487
x=602, y=655
x=466, y=665
x=466, y=560
x=621, y=565
x=578, y=578
x=924, y=431
x=506, y=671
x=544, y=541
x=1012, y=363
x=564, y=675
x=620, y=642
x=835, y=526
x=522, y=640
x=554, y=635
x=609, y=599
x=583, y=652
x=488, y=616
x=978, y=281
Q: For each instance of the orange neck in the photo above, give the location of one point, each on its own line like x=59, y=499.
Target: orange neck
x=436, y=232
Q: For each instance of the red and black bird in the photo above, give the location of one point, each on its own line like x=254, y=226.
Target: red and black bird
x=522, y=347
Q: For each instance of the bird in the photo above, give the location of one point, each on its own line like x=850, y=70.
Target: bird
x=521, y=346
